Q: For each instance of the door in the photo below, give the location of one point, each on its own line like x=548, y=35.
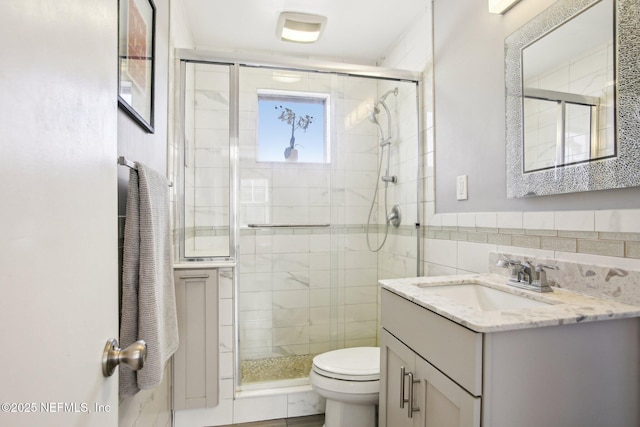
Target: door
x=58, y=221
x=397, y=361
x=444, y=403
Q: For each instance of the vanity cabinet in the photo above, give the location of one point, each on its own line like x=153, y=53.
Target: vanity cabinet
x=417, y=394
x=585, y=374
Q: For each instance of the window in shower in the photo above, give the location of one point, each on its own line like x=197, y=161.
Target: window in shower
x=292, y=127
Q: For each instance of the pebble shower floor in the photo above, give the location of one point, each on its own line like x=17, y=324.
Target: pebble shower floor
x=276, y=368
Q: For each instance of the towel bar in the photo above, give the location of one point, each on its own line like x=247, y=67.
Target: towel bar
x=287, y=225
x=123, y=161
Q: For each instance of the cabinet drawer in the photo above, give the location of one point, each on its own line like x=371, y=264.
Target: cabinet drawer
x=453, y=349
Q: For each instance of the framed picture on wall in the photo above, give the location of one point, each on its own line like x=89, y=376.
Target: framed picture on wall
x=136, y=63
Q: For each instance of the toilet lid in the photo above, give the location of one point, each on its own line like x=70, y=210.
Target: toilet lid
x=355, y=364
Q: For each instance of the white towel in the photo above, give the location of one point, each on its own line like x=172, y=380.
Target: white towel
x=148, y=295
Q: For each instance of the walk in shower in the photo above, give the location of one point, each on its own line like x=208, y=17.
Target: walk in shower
x=308, y=178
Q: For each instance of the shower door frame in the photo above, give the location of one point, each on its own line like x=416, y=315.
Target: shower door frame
x=235, y=61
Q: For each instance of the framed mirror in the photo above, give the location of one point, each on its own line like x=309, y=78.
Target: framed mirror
x=573, y=99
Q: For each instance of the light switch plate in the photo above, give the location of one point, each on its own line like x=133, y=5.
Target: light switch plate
x=462, y=187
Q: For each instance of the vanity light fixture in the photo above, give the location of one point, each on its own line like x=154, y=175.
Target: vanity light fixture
x=501, y=6
x=300, y=27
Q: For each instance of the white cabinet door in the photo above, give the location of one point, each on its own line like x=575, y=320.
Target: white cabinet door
x=396, y=362
x=442, y=402
x=195, y=369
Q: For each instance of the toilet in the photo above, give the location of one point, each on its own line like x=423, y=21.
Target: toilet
x=349, y=379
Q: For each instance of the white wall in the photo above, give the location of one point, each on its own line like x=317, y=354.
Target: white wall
x=470, y=114
x=148, y=407
x=592, y=228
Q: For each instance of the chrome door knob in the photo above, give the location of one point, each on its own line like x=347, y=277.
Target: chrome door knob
x=133, y=356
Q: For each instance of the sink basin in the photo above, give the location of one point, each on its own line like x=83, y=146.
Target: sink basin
x=482, y=298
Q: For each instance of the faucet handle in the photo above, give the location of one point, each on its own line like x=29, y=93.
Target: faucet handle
x=515, y=267
x=506, y=263
x=539, y=277
x=543, y=267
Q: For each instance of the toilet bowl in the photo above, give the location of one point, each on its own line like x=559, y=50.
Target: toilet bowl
x=349, y=380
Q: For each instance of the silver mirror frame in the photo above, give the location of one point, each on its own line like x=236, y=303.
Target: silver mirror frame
x=621, y=171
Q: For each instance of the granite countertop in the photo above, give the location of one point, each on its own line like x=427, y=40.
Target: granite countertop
x=563, y=307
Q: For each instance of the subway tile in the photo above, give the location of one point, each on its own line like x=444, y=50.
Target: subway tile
x=252, y=301
x=499, y=239
x=442, y=252
x=487, y=219
x=519, y=252
x=361, y=295
x=526, y=241
x=477, y=237
x=290, y=335
x=319, y=279
x=319, y=297
x=225, y=311
x=559, y=244
x=449, y=220
x=601, y=247
x=578, y=234
x=466, y=219
x=510, y=220
x=538, y=220
x=474, y=257
x=303, y=404
x=360, y=277
x=319, y=315
x=620, y=220
x=260, y=408
x=434, y=220
x=441, y=234
x=458, y=235
x=221, y=415
x=289, y=299
x=362, y=312
x=225, y=338
x=619, y=236
x=575, y=220
x=540, y=232
x=632, y=249
x=359, y=330
x=513, y=231
x=438, y=270
x=467, y=229
x=291, y=317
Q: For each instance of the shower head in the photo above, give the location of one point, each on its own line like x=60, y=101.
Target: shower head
x=373, y=112
x=373, y=119
x=393, y=91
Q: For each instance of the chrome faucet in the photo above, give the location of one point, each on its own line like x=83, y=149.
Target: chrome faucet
x=527, y=276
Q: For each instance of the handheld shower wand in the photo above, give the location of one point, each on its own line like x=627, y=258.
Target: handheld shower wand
x=393, y=217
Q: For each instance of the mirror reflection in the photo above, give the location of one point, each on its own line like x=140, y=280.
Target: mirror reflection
x=568, y=88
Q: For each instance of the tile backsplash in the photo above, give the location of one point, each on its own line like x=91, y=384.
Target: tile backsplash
x=599, y=250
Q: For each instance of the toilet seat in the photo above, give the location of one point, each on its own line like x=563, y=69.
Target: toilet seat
x=349, y=364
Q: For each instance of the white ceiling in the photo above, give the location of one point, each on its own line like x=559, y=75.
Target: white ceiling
x=357, y=31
